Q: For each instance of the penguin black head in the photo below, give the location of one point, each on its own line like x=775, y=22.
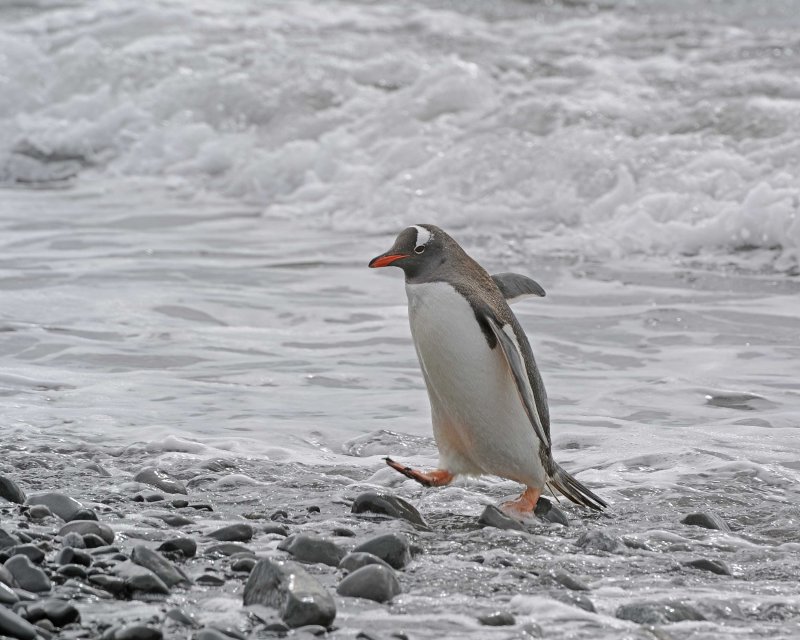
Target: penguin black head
x=418, y=251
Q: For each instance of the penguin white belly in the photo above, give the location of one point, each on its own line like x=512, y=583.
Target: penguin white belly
x=479, y=422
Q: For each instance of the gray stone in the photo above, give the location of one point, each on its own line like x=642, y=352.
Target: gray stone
x=136, y=632
x=84, y=514
x=598, y=540
x=277, y=529
x=31, y=551
x=58, y=612
x=10, y=490
x=714, y=566
x=574, y=599
x=159, y=565
x=239, y=532
x=184, y=546
x=160, y=480
x=95, y=542
x=373, y=582
x=393, y=548
x=299, y=597
x=88, y=527
x=39, y=512
x=68, y=555
x=388, y=505
x=358, y=559
x=179, y=615
x=497, y=619
x=6, y=578
x=566, y=579
x=493, y=517
x=209, y=633
x=311, y=549
x=227, y=549
x=58, y=503
x=73, y=571
x=243, y=564
x=210, y=579
x=7, y=594
x=138, y=578
x=112, y=584
x=706, y=520
x=654, y=612
x=148, y=496
x=7, y=540
x=74, y=540
x=26, y=575
x=549, y=512
x=14, y=626
x=174, y=519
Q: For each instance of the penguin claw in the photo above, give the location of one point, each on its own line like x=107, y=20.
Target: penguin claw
x=523, y=505
x=435, y=478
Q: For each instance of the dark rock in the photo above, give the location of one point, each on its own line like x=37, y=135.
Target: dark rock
x=388, y=505
x=106, y=550
x=184, y=546
x=227, y=549
x=27, y=575
x=313, y=509
x=136, y=632
x=344, y=533
x=714, y=566
x=707, y=521
x=160, y=480
x=244, y=564
x=280, y=514
x=549, y=512
x=74, y=540
x=201, y=506
x=58, y=503
x=58, y=612
x=277, y=529
x=210, y=580
x=358, y=559
x=174, y=519
x=597, y=540
x=654, y=612
x=373, y=582
x=497, y=619
x=179, y=615
x=566, y=579
x=159, y=565
x=86, y=527
x=31, y=551
x=149, y=496
x=73, y=571
x=493, y=517
x=393, y=548
x=209, y=633
x=68, y=555
x=39, y=512
x=14, y=626
x=7, y=540
x=239, y=532
x=7, y=594
x=10, y=490
x=6, y=578
x=139, y=578
x=111, y=584
x=307, y=548
x=84, y=514
x=299, y=597
x=180, y=503
x=93, y=541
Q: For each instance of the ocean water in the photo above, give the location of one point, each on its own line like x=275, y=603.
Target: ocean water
x=191, y=191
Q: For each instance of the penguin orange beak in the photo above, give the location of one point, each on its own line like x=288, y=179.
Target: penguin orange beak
x=384, y=260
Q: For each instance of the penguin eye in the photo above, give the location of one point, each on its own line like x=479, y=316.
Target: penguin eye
x=419, y=249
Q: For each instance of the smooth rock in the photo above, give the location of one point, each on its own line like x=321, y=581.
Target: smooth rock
x=174, y=519
x=58, y=503
x=94, y=542
x=393, y=548
x=148, y=496
x=7, y=540
x=136, y=632
x=10, y=490
x=598, y=540
x=14, y=626
x=139, y=578
x=239, y=532
x=39, y=512
x=184, y=546
x=74, y=540
x=299, y=597
x=7, y=594
x=88, y=527
x=112, y=584
x=497, y=619
x=358, y=559
x=27, y=575
x=160, y=480
x=84, y=514
x=6, y=578
x=714, y=566
x=179, y=615
x=566, y=579
x=180, y=503
x=549, y=512
x=209, y=633
x=344, y=532
x=58, y=612
x=706, y=520
x=574, y=599
x=73, y=571
x=654, y=612
x=68, y=555
x=373, y=582
x=493, y=517
x=308, y=548
x=227, y=549
x=277, y=529
x=388, y=505
x=31, y=551
x=210, y=579
x=243, y=564
x=158, y=564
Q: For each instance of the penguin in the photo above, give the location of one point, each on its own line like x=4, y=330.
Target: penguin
x=488, y=403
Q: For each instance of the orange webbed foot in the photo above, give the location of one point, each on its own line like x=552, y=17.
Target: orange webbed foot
x=522, y=506
x=435, y=478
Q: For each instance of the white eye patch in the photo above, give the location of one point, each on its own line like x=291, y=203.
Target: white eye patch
x=423, y=235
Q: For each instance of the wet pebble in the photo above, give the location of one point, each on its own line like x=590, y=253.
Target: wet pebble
x=344, y=533
x=15, y=626
x=358, y=559
x=133, y=632
x=68, y=555
x=227, y=549
x=88, y=527
x=179, y=615
x=58, y=503
x=388, y=505
x=139, y=578
x=656, y=612
x=7, y=540
x=549, y=512
x=574, y=599
x=31, y=551
x=373, y=582
x=160, y=480
x=93, y=541
x=39, y=512
x=159, y=565
x=112, y=584
x=239, y=532
x=493, y=517
x=7, y=594
x=393, y=548
x=26, y=575
x=84, y=514
x=58, y=612
x=148, y=496
x=174, y=519
x=183, y=546
x=5, y=577
x=299, y=597
x=598, y=540
x=277, y=529
x=210, y=580
x=243, y=564
x=311, y=549
x=73, y=571
x=497, y=619
x=566, y=579
x=280, y=514
x=714, y=566
x=706, y=520
x=11, y=491
x=209, y=633
x=180, y=503
x=74, y=540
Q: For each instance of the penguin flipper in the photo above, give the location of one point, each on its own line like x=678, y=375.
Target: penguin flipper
x=516, y=363
x=514, y=286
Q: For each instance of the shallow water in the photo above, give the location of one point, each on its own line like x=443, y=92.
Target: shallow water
x=193, y=191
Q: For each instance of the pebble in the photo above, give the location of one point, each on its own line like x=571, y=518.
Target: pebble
x=134, y=632
x=344, y=533
x=277, y=529
x=497, y=619
x=373, y=582
x=597, y=540
x=158, y=564
x=160, y=480
x=10, y=490
x=493, y=517
x=73, y=571
x=299, y=597
x=227, y=549
x=74, y=540
x=280, y=514
x=58, y=503
x=15, y=626
x=208, y=633
x=39, y=512
x=94, y=542
x=714, y=566
x=85, y=514
x=574, y=599
x=7, y=594
x=311, y=549
x=180, y=503
x=313, y=509
x=112, y=584
x=139, y=578
x=174, y=519
x=31, y=551
x=706, y=520
x=68, y=555
x=566, y=579
x=59, y=612
x=7, y=540
x=149, y=496
x=239, y=532
x=26, y=575
x=549, y=512
x=388, y=505
x=6, y=578
x=183, y=546
x=210, y=580
x=179, y=615
x=655, y=612
x=393, y=548
x=358, y=559
x=244, y=564
x=88, y=527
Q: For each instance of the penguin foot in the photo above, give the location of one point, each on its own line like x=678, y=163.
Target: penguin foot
x=523, y=505
x=435, y=478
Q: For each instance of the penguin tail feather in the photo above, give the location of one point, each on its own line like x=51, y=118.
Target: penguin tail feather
x=576, y=491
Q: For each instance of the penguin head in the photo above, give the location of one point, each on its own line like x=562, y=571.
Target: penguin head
x=418, y=251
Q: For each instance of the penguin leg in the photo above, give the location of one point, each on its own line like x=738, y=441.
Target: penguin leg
x=435, y=478
x=523, y=505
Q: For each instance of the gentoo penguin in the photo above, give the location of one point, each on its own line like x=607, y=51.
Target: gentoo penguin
x=488, y=403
